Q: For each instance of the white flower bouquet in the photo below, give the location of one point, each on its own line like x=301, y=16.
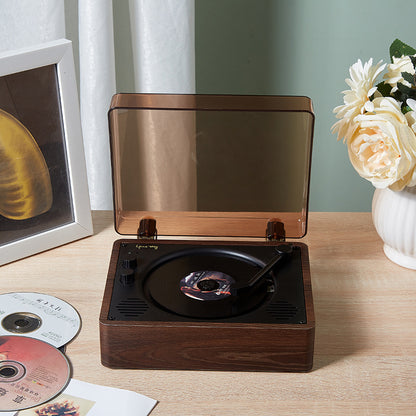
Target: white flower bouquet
x=378, y=120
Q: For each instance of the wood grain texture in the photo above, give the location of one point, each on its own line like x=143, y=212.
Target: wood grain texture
x=207, y=346
x=365, y=342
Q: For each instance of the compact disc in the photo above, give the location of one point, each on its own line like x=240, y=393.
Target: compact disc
x=31, y=372
x=206, y=285
x=39, y=316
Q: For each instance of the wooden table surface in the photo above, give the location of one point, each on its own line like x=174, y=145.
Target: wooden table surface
x=365, y=346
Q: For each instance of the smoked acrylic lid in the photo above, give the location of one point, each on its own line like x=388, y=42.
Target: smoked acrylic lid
x=211, y=165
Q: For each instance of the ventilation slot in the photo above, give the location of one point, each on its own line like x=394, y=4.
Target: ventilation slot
x=282, y=310
x=132, y=307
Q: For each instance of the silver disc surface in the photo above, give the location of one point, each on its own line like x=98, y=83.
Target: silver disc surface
x=38, y=316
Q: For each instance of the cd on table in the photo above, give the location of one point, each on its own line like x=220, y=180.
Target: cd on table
x=38, y=316
x=31, y=372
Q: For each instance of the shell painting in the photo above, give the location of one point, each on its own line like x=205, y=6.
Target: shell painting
x=25, y=184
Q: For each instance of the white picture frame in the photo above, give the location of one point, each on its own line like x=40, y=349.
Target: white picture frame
x=50, y=104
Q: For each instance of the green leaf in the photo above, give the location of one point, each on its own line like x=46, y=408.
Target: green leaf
x=403, y=88
x=408, y=77
x=412, y=94
x=399, y=48
x=399, y=95
x=384, y=89
x=406, y=109
x=413, y=59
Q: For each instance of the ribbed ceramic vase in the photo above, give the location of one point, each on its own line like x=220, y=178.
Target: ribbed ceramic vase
x=394, y=217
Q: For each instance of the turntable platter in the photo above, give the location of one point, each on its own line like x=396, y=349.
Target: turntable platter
x=197, y=282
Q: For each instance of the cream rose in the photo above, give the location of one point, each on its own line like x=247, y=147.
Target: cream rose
x=357, y=99
x=382, y=146
x=394, y=71
x=411, y=115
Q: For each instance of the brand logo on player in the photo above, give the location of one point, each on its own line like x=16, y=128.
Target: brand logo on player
x=141, y=247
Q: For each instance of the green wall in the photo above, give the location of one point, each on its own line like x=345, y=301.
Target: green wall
x=301, y=47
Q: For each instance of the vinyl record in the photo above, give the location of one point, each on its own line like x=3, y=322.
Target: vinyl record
x=38, y=316
x=31, y=372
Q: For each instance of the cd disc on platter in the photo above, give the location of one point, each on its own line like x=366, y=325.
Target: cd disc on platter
x=38, y=316
x=31, y=372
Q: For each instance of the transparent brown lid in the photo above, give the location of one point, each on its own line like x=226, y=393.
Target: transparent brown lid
x=211, y=165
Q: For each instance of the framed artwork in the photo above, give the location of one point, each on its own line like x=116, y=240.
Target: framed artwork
x=44, y=200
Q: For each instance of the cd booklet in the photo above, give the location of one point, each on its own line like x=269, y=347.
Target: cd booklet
x=85, y=399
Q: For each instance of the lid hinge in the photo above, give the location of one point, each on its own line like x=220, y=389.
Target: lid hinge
x=147, y=229
x=275, y=230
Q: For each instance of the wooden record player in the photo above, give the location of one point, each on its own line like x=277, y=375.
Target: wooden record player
x=230, y=175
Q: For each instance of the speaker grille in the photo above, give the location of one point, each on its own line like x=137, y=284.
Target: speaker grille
x=282, y=310
x=132, y=307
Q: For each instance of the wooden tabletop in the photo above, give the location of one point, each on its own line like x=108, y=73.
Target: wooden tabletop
x=365, y=346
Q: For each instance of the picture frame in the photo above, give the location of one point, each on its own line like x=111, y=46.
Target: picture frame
x=44, y=199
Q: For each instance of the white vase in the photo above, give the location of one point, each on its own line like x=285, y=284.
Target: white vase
x=394, y=217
